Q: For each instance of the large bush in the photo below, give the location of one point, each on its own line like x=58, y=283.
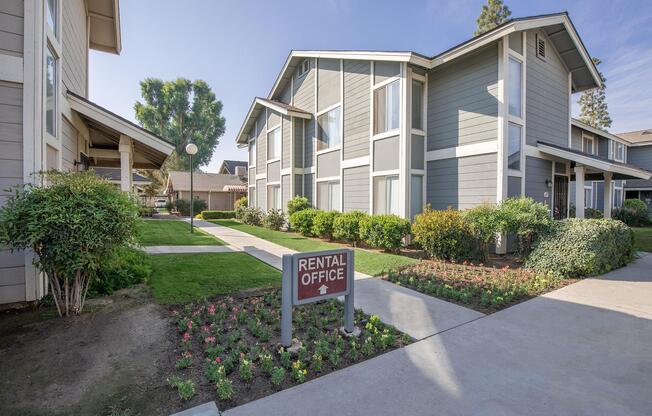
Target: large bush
x=444, y=234
x=274, y=219
x=347, y=226
x=582, y=247
x=322, y=224
x=183, y=206
x=124, y=267
x=302, y=221
x=296, y=204
x=634, y=213
x=525, y=218
x=217, y=215
x=239, y=206
x=483, y=222
x=252, y=216
x=384, y=231
x=72, y=225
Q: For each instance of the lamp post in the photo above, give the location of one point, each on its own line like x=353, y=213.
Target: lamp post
x=191, y=149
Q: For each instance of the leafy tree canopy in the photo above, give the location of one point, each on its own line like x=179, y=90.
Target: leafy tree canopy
x=182, y=111
x=593, y=104
x=493, y=14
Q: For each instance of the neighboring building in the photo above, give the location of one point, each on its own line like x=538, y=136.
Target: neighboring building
x=639, y=151
x=219, y=191
x=46, y=119
x=113, y=175
x=234, y=167
x=389, y=132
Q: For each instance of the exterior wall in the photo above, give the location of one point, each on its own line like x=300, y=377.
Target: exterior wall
x=386, y=154
x=328, y=83
x=462, y=101
x=11, y=27
x=308, y=182
x=286, y=189
x=261, y=194
x=536, y=172
x=642, y=157
x=304, y=98
x=274, y=172
x=356, y=189
x=513, y=186
x=298, y=124
x=461, y=183
x=75, y=50
x=328, y=165
x=357, y=108
x=286, y=137
x=261, y=145
x=547, y=93
x=69, y=150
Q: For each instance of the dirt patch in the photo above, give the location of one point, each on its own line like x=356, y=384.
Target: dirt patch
x=114, y=358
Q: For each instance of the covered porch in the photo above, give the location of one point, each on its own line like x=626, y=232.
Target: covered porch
x=117, y=145
x=586, y=168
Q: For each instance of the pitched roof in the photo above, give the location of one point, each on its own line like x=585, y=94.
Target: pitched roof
x=582, y=125
x=637, y=138
x=113, y=175
x=230, y=165
x=214, y=182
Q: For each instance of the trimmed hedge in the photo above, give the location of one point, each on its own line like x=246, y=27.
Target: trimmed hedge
x=302, y=221
x=183, y=206
x=582, y=247
x=347, y=226
x=384, y=231
x=525, y=218
x=322, y=223
x=444, y=235
x=217, y=215
x=296, y=204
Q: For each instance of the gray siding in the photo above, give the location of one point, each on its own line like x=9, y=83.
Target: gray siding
x=298, y=142
x=68, y=145
x=386, y=154
x=462, y=101
x=328, y=83
x=356, y=189
x=513, y=186
x=286, y=137
x=298, y=185
x=304, y=89
x=273, y=119
x=328, y=164
x=641, y=157
x=385, y=70
x=307, y=187
x=261, y=145
x=74, y=47
x=576, y=138
x=461, y=183
x=274, y=172
x=261, y=194
x=547, y=97
x=536, y=172
x=416, y=150
x=357, y=108
x=285, y=95
x=309, y=144
x=286, y=190
x=11, y=27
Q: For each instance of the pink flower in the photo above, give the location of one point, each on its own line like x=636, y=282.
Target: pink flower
x=189, y=325
x=205, y=329
x=218, y=360
x=242, y=355
x=209, y=339
x=211, y=309
x=186, y=337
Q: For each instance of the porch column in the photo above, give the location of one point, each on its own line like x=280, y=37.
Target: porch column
x=126, y=162
x=608, y=186
x=579, y=191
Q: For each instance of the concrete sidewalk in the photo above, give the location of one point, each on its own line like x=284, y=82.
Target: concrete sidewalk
x=585, y=349
x=411, y=312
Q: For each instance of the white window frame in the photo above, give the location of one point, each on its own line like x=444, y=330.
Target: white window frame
x=387, y=133
x=318, y=140
x=586, y=138
x=252, y=142
x=278, y=146
x=613, y=195
x=395, y=175
x=614, y=151
x=304, y=68
x=513, y=119
x=422, y=81
x=52, y=42
x=329, y=184
x=588, y=202
x=275, y=199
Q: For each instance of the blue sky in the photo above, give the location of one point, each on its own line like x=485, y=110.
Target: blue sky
x=238, y=47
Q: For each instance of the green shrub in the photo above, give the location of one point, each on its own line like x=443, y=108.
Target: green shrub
x=252, y=216
x=183, y=206
x=525, y=218
x=168, y=206
x=146, y=211
x=217, y=215
x=322, y=223
x=274, y=219
x=239, y=207
x=347, y=226
x=634, y=213
x=444, y=234
x=302, y=221
x=296, y=204
x=483, y=222
x=124, y=267
x=582, y=247
x=384, y=231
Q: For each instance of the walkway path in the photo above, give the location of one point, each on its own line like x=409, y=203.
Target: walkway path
x=585, y=349
x=411, y=312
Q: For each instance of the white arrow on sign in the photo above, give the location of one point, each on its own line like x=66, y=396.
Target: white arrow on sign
x=323, y=289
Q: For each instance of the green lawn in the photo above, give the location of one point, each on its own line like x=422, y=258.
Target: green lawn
x=172, y=233
x=179, y=278
x=369, y=262
x=643, y=238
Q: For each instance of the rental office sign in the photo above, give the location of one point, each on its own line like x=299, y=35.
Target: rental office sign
x=311, y=277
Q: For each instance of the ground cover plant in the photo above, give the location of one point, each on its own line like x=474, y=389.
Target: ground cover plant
x=486, y=289
x=230, y=346
x=172, y=233
x=643, y=238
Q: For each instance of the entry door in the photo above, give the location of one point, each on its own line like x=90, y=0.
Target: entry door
x=561, y=197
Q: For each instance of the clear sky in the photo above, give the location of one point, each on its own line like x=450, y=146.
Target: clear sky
x=239, y=46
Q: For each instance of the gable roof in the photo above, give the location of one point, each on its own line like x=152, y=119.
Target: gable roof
x=230, y=165
x=202, y=182
x=258, y=105
x=580, y=124
x=637, y=138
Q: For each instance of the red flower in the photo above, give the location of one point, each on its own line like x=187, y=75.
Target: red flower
x=186, y=337
x=218, y=360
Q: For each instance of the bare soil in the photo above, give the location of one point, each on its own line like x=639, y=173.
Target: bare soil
x=112, y=360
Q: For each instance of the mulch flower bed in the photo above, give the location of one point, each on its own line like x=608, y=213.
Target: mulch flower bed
x=486, y=289
x=230, y=347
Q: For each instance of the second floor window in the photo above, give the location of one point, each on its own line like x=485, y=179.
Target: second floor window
x=417, y=105
x=386, y=107
x=514, y=147
x=619, y=152
x=587, y=144
x=515, y=88
x=51, y=110
x=51, y=15
x=329, y=129
x=252, y=153
x=274, y=144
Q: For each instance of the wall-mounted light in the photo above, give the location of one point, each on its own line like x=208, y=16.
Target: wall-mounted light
x=548, y=183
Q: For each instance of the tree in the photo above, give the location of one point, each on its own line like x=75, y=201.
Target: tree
x=593, y=104
x=72, y=226
x=493, y=14
x=182, y=111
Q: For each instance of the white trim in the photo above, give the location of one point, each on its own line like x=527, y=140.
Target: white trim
x=392, y=172
x=577, y=123
x=328, y=150
x=260, y=176
x=327, y=109
x=341, y=135
x=277, y=159
x=269, y=130
x=384, y=135
x=282, y=110
x=474, y=149
x=286, y=171
x=328, y=179
x=354, y=163
x=304, y=171
x=404, y=144
x=502, y=119
x=386, y=82
x=11, y=68
x=590, y=137
x=372, y=70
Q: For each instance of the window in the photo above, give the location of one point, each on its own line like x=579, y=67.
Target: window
x=274, y=144
x=51, y=15
x=416, y=195
x=515, y=77
x=329, y=129
x=587, y=144
x=274, y=197
x=618, y=151
x=417, y=105
x=252, y=153
x=618, y=197
x=541, y=47
x=328, y=195
x=304, y=67
x=386, y=195
x=588, y=196
x=514, y=147
x=386, y=107
x=51, y=109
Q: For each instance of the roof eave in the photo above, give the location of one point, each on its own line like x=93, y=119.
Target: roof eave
x=578, y=123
